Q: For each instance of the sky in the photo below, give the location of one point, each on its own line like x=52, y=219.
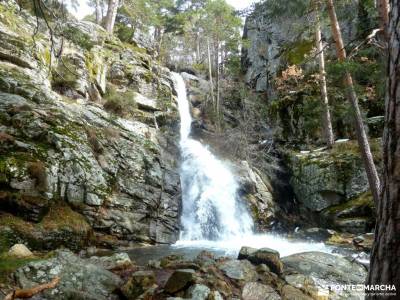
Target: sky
x=84, y=9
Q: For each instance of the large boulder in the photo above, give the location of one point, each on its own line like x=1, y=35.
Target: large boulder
x=317, y=273
x=266, y=256
x=241, y=270
x=332, y=186
x=179, y=280
x=79, y=279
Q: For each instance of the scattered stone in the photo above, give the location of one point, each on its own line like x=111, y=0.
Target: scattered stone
x=179, y=280
x=198, y=292
x=258, y=291
x=20, y=251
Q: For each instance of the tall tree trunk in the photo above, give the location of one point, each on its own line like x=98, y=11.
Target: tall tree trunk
x=363, y=143
x=383, y=9
x=98, y=12
x=111, y=15
x=217, y=103
x=330, y=140
x=385, y=258
x=198, y=55
x=210, y=72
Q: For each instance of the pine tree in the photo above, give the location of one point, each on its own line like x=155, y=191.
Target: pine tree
x=362, y=138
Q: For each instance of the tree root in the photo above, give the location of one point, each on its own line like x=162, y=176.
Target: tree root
x=28, y=293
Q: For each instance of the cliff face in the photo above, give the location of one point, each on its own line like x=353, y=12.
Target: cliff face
x=87, y=144
x=269, y=38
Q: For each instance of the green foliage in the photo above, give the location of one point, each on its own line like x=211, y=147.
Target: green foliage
x=120, y=103
x=296, y=52
x=8, y=264
x=279, y=8
x=78, y=37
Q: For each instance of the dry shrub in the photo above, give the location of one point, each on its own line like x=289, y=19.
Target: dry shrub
x=5, y=138
x=94, y=141
x=19, y=108
x=37, y=170
x=111, y=133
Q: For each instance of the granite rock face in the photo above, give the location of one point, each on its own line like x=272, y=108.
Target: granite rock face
x=333, y=186
x=268, y=38
x=60, y=145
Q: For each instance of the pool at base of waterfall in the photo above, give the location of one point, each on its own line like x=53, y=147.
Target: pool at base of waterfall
x=230, y=248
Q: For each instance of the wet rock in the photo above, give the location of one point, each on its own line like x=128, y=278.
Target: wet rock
x=269, y=257
x=259, y=291
x=354, y=225
x=315, y=234
x=258, y=191
x=245, y=252
x=241, y=270
x=364, y=241
x=20, y=251
x=113, y=262
x=205, y=258
x=79, y=278
x=139, y=283
x=198, y=292
x=179, y=280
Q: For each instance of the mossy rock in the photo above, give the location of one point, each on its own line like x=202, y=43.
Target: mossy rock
x=9, y=264
x=356, y=215
x=60, y=227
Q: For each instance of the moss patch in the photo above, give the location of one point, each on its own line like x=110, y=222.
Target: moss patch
x=60, y=227
x=62, y=216
x=9, y=264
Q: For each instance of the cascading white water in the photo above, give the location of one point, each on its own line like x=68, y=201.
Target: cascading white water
x=213, y=216
x=211, y=208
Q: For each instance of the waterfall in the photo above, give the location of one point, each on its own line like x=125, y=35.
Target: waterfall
x=213, y=216
x=211, y=209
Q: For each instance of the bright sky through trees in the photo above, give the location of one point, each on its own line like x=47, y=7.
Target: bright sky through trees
x=84, y=9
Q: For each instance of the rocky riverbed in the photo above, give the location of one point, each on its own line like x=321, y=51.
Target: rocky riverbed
x=256, y=274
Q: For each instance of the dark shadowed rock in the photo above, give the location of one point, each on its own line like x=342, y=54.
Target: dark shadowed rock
x=267, y=256
x=245, y=252
x=179, y=280
x=138, y=284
